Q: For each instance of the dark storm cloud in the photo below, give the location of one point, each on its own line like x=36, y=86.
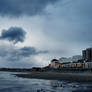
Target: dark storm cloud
x=15, y=34
x=26, y=7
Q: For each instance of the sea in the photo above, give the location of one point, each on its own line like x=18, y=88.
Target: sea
x=10, y=83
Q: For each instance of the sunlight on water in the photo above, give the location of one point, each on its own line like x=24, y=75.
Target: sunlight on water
x=11, y=83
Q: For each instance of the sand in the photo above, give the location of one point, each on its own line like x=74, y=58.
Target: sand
x=78, y=77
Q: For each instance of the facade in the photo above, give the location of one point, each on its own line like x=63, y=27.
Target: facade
x=87, y=57
x=66, y=65
x=87, y=54
x=55, y=64
x=78, y=64
x=84, y=54
x=88, y=64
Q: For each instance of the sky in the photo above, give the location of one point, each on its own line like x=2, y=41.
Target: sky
x=33, y=32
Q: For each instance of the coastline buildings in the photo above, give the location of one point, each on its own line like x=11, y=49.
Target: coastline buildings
x=79, y=63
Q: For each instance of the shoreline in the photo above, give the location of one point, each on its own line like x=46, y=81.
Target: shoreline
x=76, y=77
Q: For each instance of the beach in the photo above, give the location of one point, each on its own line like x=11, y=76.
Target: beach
x=78, y=77
x=10, y=83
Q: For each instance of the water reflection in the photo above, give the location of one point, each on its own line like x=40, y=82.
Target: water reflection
x=10, y=83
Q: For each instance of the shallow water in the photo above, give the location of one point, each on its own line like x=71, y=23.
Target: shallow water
x=11, y=83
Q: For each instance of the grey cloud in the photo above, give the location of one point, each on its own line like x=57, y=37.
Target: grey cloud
x=81, y=20
x=27, y=51
x=3, y=52
x=19, y=53
x=11, y=57
x=26, y=7
x=70, y=59
x=15, y=34
x=71, y=22
x=41, y=52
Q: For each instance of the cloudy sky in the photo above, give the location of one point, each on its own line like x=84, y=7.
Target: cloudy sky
x=32, y=32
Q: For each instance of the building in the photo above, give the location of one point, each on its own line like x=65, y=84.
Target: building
x=78, y=64
x=66, y=65
x=55, y=64
x=84, y=54
x=87, y=54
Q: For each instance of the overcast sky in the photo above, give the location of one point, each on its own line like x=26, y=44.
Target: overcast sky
x=32, y=32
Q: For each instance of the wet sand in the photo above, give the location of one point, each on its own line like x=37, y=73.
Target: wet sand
x=78, y=77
